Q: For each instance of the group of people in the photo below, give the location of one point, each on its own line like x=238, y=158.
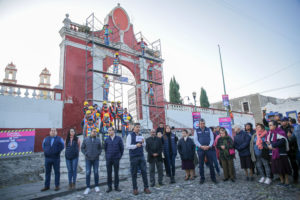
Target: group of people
x=271, y=150
x=105, y=117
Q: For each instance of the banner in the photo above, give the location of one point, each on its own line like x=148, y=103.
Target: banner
x=196, y=119
x=121, y=79
x=16, y=142
x=225, y=100
x=225, y=122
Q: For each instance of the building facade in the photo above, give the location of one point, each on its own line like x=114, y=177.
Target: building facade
x=253, y=103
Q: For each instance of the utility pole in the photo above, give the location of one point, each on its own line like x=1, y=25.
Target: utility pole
x=223, y=78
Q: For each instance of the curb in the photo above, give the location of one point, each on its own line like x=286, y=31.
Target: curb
x=63, y=193
x=81, y=188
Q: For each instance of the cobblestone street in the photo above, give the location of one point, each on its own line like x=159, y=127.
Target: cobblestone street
x=241, y=189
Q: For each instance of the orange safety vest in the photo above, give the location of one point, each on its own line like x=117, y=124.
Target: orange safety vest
x=89, y=129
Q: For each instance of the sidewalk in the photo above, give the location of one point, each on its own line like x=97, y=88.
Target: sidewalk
x=33, y=190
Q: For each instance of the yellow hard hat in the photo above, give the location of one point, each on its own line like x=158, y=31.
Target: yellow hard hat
x=119, y=101
x=106, y=115
x=128, y=117
x=117, y=54
x=97, y=129
x=151, y=61
x=150, y=83
x=112, y=102
x=88, y=112
x=106, y=76
x=97, y=114
x=104, y=102
x=91, y=107
x=86, y=103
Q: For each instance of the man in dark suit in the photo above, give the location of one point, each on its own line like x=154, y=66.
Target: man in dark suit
x=114, y=149
x=154, y=149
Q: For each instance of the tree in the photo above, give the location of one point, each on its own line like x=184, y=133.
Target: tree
x=174, y=93
x=204, y=99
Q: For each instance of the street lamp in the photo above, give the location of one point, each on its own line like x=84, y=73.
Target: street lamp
x=194, y=96
x=188, y=98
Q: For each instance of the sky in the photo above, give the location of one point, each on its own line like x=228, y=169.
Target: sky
x=259, y=40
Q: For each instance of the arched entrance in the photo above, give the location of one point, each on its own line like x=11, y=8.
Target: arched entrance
x=123, y=89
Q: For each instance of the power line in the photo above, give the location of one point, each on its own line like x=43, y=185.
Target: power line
x=267, y=76
x=276, y=89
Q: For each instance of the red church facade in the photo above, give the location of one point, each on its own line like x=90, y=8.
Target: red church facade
x=83, y=51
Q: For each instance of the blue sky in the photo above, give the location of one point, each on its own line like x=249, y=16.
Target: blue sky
x=259, y=41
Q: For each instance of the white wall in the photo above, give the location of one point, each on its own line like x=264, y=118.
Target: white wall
x=17, y=112
x=181, y=116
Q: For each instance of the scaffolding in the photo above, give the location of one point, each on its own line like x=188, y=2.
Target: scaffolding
x=94, y=39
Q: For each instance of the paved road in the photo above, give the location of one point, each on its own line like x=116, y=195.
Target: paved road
x=241, y=189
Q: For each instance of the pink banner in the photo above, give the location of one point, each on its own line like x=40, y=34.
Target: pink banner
x=225, y=119
x=16, y=142
x=196, y=118
x=17, y=133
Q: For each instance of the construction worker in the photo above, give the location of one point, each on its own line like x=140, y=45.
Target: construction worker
x=143, y=46
x=116, y=63
x=97, y=109
x=93, y=112
x=86, y=107
x=107, y=32
x=112, y=110
x=104, y=105
x=119, y=111
x=105, y=88
x=98, y=120
x=126, y=118
x=150, y=92
x=87, y=129
x=107, y=122
x=150, y=70
x=84, y=122
x=105, y=110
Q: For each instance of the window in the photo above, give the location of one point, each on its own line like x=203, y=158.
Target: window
x=10, y=76
x=246, y=107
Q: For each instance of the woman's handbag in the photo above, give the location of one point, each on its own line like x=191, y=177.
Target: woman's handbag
x=232, y=151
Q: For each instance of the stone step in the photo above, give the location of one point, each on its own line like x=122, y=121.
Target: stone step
x=124, y=169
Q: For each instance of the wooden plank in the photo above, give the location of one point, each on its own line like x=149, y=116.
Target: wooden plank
x=102, y=72
x=148, y=58
x=149, y=81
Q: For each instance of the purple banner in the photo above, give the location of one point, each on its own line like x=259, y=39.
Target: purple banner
x=196, y=119
x=225, y=100
x=16, y=142
x=225, y=122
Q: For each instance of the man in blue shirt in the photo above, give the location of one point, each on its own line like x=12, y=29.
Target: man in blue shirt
x=52, y=146
x=135, y=144
x=204, y=139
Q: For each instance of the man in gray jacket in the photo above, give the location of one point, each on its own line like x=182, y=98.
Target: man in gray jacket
x=91, y=148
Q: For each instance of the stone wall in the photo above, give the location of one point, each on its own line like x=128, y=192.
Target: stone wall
x=21, y=169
